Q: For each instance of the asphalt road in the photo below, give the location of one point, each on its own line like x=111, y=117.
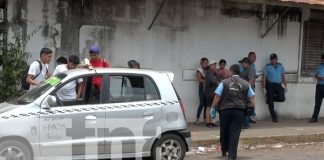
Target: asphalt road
x=290, y=152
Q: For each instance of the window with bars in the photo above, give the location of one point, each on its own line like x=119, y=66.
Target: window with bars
x=313, y=43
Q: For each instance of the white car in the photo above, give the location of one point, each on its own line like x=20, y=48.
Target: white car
x=122, y=113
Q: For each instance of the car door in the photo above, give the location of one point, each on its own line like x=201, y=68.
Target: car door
x=74, y=127
x=133, y=114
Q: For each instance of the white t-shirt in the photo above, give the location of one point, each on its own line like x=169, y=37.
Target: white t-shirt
x=68, y=91
x=199, y=69
x=34, y=70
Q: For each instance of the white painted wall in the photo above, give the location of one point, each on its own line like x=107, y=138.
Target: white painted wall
x=195, y=34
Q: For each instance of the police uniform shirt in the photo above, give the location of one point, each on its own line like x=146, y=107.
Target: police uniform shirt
x=274, y=72
x=320, y=73
x=220, y=88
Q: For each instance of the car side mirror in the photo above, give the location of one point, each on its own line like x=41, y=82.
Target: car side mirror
x=50, y=101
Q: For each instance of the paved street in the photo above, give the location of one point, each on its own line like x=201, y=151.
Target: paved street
x=274, y=152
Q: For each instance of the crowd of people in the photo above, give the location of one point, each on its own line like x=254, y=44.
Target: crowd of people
x=234, y=97
x=39, y=72
x=209, y=77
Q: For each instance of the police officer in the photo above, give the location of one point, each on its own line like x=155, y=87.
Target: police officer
x=319, y=94
x=273, y=78
x=231, y=99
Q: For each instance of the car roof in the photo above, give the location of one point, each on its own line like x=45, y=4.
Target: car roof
x=84, y=71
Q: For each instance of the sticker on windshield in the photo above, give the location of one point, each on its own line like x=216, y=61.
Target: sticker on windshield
x=53, y=81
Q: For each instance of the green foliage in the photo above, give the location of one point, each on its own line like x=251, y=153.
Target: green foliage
x=12, y=65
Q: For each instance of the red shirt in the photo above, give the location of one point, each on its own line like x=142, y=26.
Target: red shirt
x=98, y=63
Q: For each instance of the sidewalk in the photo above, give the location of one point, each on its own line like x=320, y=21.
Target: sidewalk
x=264, y=132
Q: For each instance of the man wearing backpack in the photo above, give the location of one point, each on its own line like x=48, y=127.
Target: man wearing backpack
x=38, y=70
x=231, y=99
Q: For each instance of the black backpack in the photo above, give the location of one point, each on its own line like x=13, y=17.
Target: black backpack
x=24, y=75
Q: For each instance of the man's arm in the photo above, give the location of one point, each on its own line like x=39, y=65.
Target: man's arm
x=30, y=80
x=199, y=77
x=284, y=80
x=264, y=78
x=252, y=100
x=216, y=100
x=105, y=64
x=80, y=90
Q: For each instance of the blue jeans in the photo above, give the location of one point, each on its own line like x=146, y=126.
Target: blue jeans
x=231, y=122
x=202, y=101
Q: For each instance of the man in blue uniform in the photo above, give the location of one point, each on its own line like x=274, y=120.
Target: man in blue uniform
x=319, y=94
x=273, y=78
x=231, y=99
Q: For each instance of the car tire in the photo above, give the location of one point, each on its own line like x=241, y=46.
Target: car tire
x=13, y=149
x=169, y=146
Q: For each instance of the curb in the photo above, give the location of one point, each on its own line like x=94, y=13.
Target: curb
x=266, y=140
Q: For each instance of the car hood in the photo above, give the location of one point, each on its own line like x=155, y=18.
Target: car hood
x=5, y=107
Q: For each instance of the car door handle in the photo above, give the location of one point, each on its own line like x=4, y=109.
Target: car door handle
x=147, y=114
x=90, y=117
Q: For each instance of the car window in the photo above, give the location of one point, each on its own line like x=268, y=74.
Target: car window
x=131, y=88
x=79, y=91
x=39, y=89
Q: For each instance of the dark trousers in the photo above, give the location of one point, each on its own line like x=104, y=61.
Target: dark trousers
x=231, y=122
x=275, y=93
x=202, y=102
x=319, y=95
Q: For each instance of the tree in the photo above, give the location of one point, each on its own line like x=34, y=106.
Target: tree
x=12, y=65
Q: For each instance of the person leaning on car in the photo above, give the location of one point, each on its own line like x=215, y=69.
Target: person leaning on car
x=231, y=98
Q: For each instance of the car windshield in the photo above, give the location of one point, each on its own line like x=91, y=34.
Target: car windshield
x=39, y=90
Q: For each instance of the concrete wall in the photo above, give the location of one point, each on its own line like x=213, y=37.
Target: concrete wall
x=185, y=31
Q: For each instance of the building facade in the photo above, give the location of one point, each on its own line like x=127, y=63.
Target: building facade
x=173, y=35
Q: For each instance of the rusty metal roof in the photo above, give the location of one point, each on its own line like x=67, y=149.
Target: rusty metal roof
x=315, y=2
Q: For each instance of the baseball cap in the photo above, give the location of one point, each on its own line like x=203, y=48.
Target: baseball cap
x=245, y=60
x=212, y=62
x=94, y=49
x=273, y=56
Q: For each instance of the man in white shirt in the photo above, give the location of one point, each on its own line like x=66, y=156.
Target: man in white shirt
x=68, y=91
x=35, y=75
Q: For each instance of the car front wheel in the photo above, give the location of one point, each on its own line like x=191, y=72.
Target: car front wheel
x=169, y=147
x=14, y=150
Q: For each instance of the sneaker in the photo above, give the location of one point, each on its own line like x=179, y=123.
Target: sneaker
x=313, y=120
x=214, y=125
x=208, y=125
x=275, y=120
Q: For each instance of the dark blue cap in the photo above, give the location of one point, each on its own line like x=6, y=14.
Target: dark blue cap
x=94, y=49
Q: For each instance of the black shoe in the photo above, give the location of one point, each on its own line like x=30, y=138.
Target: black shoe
x=246, y=126
x=214, y=125
x=313, y=120
x=275, y=120
x=209, y=125
x=224, y=153
x=252, y=121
